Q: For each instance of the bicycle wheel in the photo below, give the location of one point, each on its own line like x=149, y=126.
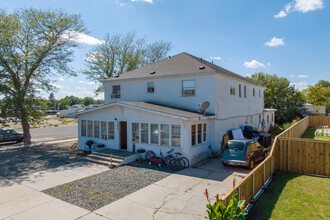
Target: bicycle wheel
x=169, y=161
x=180, y=164
x=150, y=154
x=186, y=162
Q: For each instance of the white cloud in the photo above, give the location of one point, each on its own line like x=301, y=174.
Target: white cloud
x=58, y=86
x=148, y=1
x=302, y=6
x=61, y=79
x=299, y=85
x=121, y=4
x=281, y=14
x=292, y=76
x=275, y=42
x=253, y=64
x=302, y=76
x=80, y=88
x=81, y=38
x=308, y=5
x=269, y=65
x=89, y=83
x=216, y=58
x=93, y=56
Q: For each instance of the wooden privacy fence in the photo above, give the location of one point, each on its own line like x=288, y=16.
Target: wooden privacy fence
x=291, y=153
x=315, y=121
x=304, y=156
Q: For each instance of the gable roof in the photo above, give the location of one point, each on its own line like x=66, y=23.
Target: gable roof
x=155, y=108
x=180, y=64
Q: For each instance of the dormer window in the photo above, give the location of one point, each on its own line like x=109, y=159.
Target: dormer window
x=188, y=88
x=151, y=88
x=115, y=91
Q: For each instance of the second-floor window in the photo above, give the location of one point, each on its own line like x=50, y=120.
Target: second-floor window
x=188, y=88
x=244, y=91
x=254, y=92
x=232, y=91
x=240, y=90
x=115, y=91
x=151, y=88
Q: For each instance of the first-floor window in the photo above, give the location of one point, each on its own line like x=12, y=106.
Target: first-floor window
x=204, y=132
x=199, y=133
x=83, y=128
x=164, y=134
x=193, y=135
x=90, y=129
x=111, y=130
x=104, y=135
x=154, y=133
x=144, y=133
x=135, y=132
x=96, y=129
x=176, y=135
x=267, y=118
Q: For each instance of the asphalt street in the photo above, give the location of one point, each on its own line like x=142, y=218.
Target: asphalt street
x=63, y=132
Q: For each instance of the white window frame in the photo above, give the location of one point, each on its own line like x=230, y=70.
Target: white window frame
x=183, y=93
x=149, y=88
x=111, y=132
x=83, y=128
x=195, y=135
x=172, y=135
x=168, y=135
x=204, y=132
x=88, y=129
x=199, y=134
x=138, y=132
x=148, y=133
x=96, y=124
x=151, y=134
x=104, y=133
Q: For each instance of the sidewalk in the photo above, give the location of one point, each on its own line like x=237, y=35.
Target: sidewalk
x=21, y=197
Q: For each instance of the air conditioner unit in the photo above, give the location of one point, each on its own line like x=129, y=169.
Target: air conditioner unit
x=116, y=96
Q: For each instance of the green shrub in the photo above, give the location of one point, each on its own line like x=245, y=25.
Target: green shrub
x=221, y=211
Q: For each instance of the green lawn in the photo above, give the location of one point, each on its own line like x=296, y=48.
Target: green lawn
x=310, y=133
x=294, y=196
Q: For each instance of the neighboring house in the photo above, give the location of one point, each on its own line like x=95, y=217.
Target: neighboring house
x=269, y=119
x=310, y=109
x=156, y=108
x=71, y=109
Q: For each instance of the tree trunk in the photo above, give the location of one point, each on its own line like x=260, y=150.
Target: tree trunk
x=25, y=125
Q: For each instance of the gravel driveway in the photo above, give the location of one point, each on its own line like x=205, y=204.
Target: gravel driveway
x=101, y=189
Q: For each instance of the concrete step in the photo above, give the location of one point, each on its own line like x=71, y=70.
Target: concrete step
x=107, y=155
x=104, y=158
x=101, y=162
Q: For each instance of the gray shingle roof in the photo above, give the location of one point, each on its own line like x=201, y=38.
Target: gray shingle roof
x=180, y=64
x=153, y=107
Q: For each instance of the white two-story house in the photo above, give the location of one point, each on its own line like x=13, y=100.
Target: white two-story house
x=156, y=107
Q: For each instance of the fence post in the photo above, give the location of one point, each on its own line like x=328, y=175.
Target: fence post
x=239, y=193
x=264, y=172
x=252, y=185
x=271, y=164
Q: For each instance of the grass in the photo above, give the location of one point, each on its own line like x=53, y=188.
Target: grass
x=294, y=196
x=310, y=134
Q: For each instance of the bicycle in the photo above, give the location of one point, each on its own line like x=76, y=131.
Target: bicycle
x=178, y=162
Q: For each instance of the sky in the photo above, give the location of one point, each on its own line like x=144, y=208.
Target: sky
x=290, y=38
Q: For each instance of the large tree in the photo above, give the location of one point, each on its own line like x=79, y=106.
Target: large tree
x=34, y=45
x=120, y=53
x=319, y=94
x=281, y=96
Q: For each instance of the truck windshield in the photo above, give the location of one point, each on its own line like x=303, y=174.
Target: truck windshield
x=236, y=146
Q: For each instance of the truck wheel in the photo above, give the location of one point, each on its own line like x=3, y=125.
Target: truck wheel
x=251, y=164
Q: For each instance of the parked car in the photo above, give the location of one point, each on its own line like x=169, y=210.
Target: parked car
x=243, y=152
x=8, y=134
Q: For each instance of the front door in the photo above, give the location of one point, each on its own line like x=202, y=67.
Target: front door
x=123, y=135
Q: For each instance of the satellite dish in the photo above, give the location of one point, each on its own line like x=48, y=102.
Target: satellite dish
x=203, y=106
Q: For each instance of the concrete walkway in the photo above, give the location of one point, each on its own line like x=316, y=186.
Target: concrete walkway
x=21, y=197
x=178, y=196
